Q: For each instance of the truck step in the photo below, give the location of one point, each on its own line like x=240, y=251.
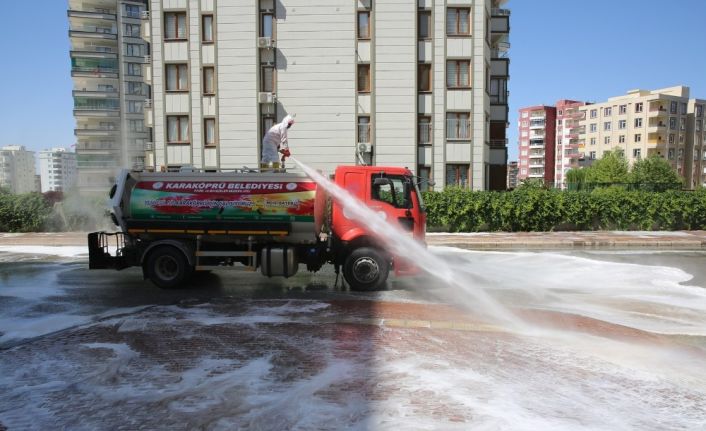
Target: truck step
x=226, y=253
x=226, y=267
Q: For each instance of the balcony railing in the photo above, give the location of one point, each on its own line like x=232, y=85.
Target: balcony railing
x=458, y=129
x=500, y=12
x=363, y=133
x=424, y=133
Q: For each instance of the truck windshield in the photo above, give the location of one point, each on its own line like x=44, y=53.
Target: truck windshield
x=395, y=193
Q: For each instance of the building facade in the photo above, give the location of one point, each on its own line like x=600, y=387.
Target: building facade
x=643, y=123
x=568, y=148
x=108, y=63
x=416, y=83
x=537, y=134
x=57, y=169
x=17, y=169
x=513, y=168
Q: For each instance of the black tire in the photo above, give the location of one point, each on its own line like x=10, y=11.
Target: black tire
x=366, y=269
x=167, y=267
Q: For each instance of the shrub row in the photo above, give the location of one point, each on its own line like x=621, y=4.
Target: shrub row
x=535, y=209
x=35, y=212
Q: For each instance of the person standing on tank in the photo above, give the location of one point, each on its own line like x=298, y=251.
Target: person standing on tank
x=275, y=143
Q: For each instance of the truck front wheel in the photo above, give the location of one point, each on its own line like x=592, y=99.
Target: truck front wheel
x=366, y=268
x=167, y=267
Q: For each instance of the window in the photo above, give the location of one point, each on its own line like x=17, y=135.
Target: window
x=423, y=178
x=638, y=107
x=607, y=112
x=671, y=138
x=682, y=124
x=636, y=153
x=458, y=74
x=363, y=78
x=132, y=11
x=424, y=131
x=457, y=175
x=638, y=122
x=606, y=125
x=178, y=129
x=209, y=80
x=498, y=91
x=698, y=125
x=135, y=88
x=638, y=137
x=395, y=193
x=699, y=111
x=672, y=123
x=622, y=124
x=363, y=129
x=593, y=141
x=364, y=25
x=424, y=78
x=593, y=127
x=680, y=153
x=174, y=25
x=458, y=125
x=132, y=30
x=136, y=125
x=424, y=24
x=134, y=107
x=177, y=77
x=594, y=113
x=458, y=21
x=606, y=140
x=267, y=25
x=133, y=50
x=209, y=131
x=683, y=109
x=134, y=69
x=267, y=77
x=673, y=107
x=207, y=29
x=670, y=154
x=592, y=155
x=623, y=109
x=621, y=139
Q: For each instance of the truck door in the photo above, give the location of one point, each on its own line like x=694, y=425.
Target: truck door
x=391, y=195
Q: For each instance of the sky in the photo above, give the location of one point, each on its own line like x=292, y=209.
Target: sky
x=560, y=49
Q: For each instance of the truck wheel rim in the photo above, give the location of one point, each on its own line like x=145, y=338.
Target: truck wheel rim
x=365, y=269
x=166, y=267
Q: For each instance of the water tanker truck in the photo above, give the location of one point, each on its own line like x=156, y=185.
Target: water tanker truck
x=175, y=223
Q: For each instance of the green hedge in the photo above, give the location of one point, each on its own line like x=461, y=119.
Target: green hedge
x=535, y=209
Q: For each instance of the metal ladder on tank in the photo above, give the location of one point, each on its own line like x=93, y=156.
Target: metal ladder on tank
x=250, y=254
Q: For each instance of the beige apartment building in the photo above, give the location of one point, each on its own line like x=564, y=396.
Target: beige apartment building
x=664, y=122
x=415, y=83
x=17, y=169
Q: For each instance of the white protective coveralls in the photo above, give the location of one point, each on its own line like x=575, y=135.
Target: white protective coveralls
x=276, y=139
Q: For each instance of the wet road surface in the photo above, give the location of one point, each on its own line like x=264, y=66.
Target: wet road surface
x=611, y=340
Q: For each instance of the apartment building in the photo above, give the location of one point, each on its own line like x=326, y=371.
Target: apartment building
x=568, y=148
x=57, y=170
x=17, y=168
x=537, y=133
x=642, y=123
x=416, y=83
x=108, y=63
x=513, y=168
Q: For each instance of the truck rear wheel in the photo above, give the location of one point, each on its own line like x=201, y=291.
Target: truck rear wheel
x=167, y=267
x=366, y=269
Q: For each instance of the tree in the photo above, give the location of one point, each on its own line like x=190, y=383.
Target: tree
x=575, y=178
x=655, y=173
x=611, y=168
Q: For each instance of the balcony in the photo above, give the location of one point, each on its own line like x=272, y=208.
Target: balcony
x=93, y=13
x=499, y=12
x=536, y=143
x=86, y=52
x=536, y=165
x=537, y=125
x=458, y=130
x=99, y=93
x=424, y=134
x=96, y=132
x=94, y=72
x=93, y=33
x=498, y=143
x=149, y=146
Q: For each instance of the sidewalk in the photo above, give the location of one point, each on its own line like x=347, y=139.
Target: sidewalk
x=661, y=240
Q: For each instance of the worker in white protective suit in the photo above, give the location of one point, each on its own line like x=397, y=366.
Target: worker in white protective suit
x=275, y=143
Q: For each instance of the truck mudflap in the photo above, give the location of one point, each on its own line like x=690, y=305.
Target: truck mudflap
x=405, y=268
x=100, y=245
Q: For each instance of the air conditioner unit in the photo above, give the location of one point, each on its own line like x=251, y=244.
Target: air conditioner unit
x=265, y=42
x=365, y=147
x=266, y=98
